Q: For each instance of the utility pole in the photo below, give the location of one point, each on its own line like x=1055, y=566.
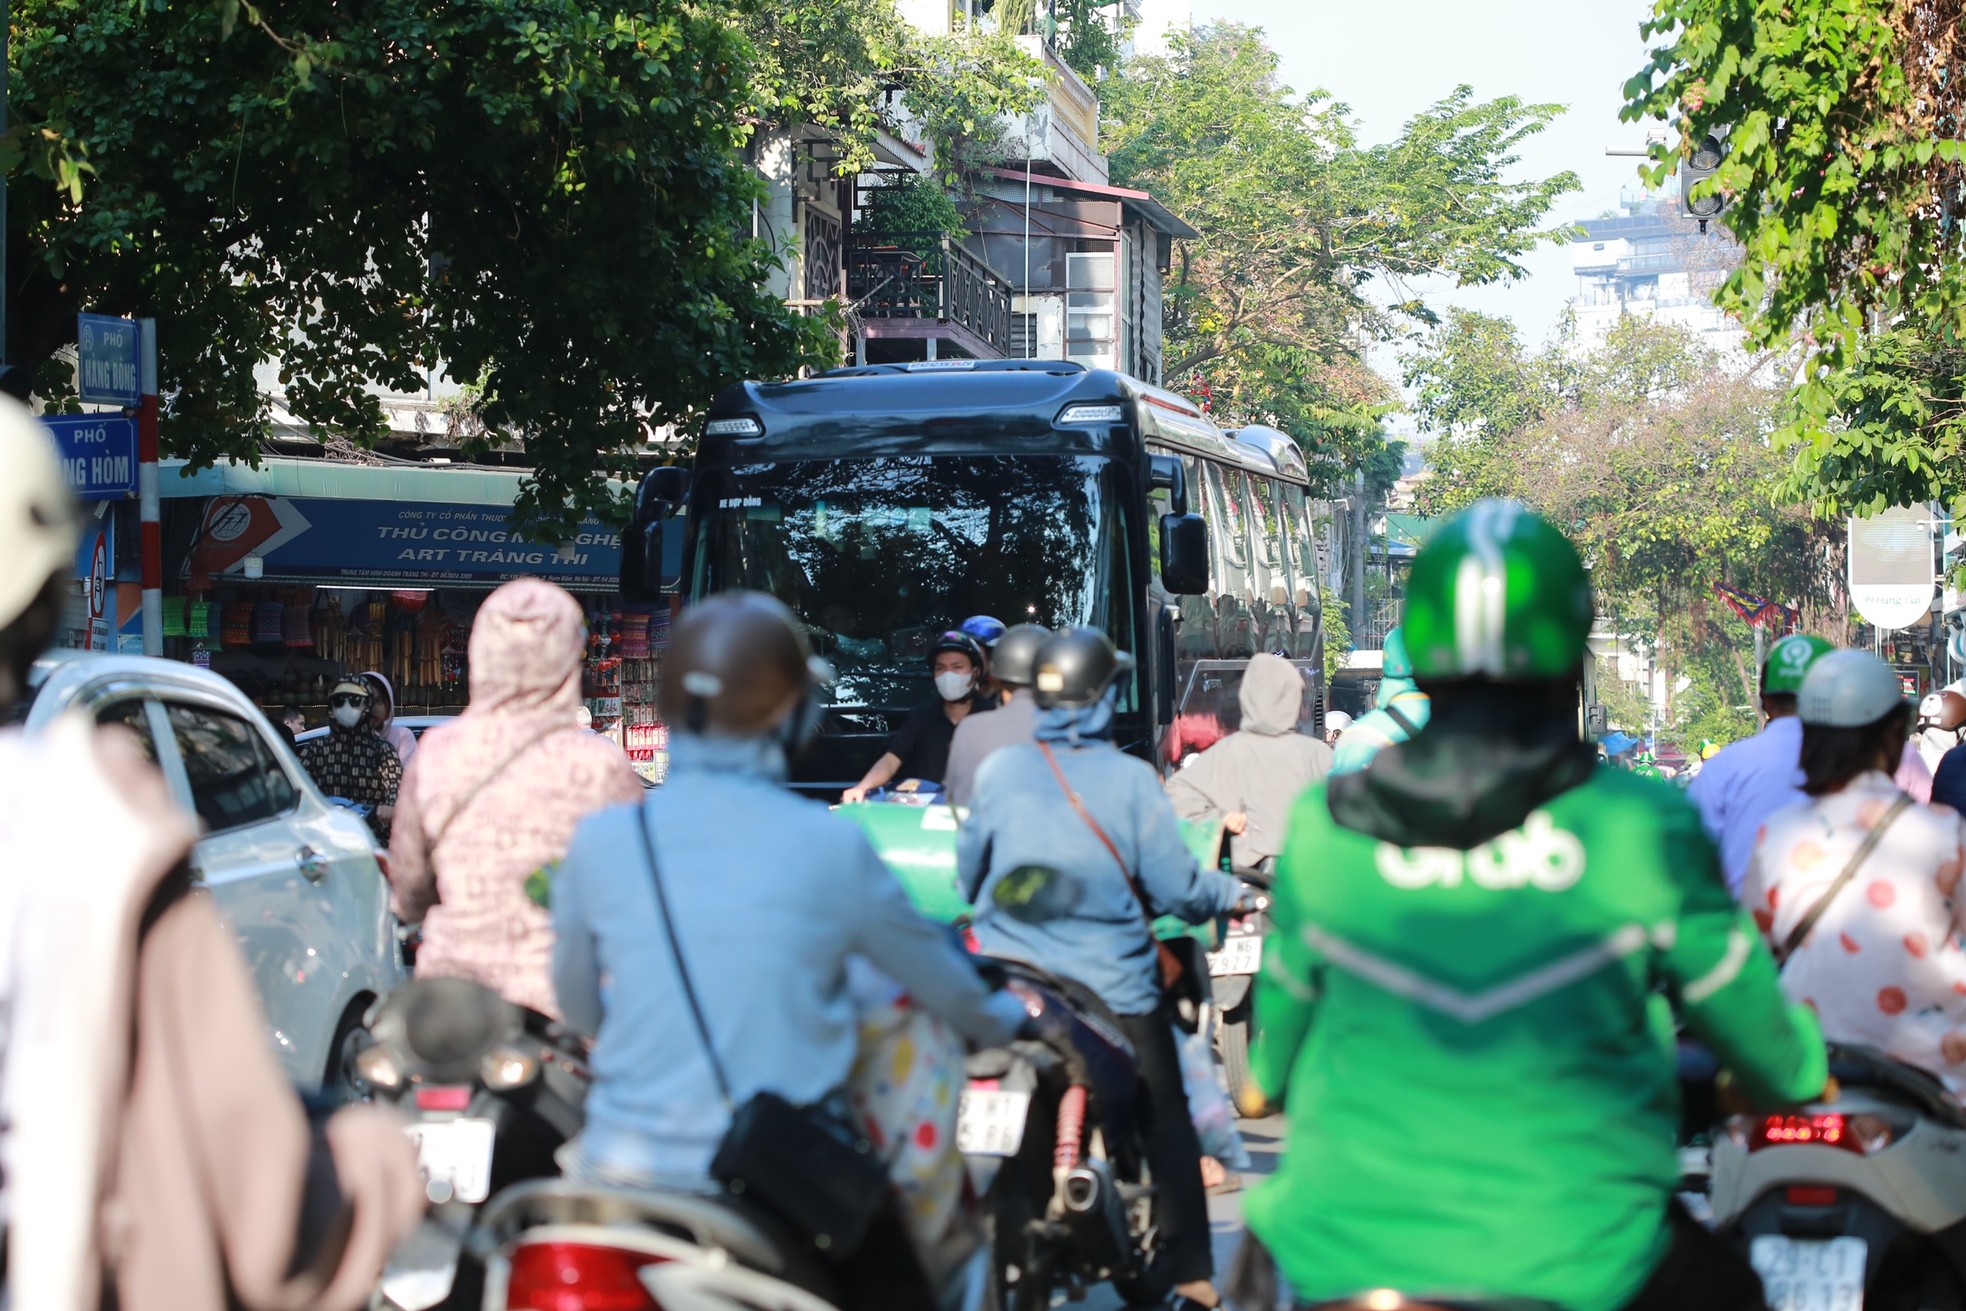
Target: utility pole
x=1360, y=550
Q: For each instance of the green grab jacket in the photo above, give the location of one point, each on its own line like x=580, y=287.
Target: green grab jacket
x=1475, y=1051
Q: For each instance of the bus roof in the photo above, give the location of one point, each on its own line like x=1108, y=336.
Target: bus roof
x=885, y=408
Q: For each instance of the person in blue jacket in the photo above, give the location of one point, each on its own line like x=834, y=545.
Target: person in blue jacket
x=769, y=897
x=1047, y=890
x=1399, y=710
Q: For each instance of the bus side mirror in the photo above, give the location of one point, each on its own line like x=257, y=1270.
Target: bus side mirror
x=1183, y=554
x=1167, y=471
x=651, y=559
x=663, y=491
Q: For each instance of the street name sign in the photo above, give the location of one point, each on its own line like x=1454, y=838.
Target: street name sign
x=98, y=454
x=110, y=360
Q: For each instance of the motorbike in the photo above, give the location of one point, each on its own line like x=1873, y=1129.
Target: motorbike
x=493, y=1090
x=1231, y=973
x=556, y=1245
x=1052, y=1136
x=1857, y=1202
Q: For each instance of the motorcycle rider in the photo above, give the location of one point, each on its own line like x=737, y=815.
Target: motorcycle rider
x=156, y=1155
x=1463, y=1003
x=352, y=762
x=1879, y=963
x=1014, y=663
x=1941, y=725
x=1399, y=710
x=1025, y=817
x=382, y=716
x=1250, y=777
x=1746, y=782
x=771, y=897
x=920, y=747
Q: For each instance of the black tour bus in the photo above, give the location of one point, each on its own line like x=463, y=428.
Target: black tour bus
x=885, y=504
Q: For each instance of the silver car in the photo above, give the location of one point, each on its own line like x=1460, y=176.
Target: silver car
x=295, y=877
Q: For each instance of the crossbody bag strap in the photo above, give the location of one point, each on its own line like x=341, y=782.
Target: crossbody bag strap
x=682, y=970
x=1800, y=933
x=1126, y=871
x=465, y=803
x=1398, y=716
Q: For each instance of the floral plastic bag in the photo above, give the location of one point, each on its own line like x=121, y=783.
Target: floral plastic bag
x=906, y=1085
x=1208, y=1105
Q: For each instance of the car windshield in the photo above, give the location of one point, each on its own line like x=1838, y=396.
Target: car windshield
x=878, y=557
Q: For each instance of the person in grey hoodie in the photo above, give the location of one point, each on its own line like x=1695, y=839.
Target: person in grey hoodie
x=1249, y=778
x=1013, y=662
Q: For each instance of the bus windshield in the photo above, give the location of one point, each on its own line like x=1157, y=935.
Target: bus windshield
x=878, y=557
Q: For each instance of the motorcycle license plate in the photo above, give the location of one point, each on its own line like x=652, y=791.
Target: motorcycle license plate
x=1238, y=955
x=1799, y=1274
x=456, y=1154
x=990, y=1122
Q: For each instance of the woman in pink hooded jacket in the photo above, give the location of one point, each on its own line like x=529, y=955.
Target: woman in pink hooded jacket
x=490, y=802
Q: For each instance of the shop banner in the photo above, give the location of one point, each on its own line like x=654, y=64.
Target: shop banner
x=393, y=542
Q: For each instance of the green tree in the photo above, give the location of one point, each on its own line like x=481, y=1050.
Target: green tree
x=1655, y=457
x=545, y=196
x=1844, y=168
x=1307, y=233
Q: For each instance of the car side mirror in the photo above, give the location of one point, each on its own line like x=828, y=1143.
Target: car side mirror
x=1167, y=471
x=1183, y=554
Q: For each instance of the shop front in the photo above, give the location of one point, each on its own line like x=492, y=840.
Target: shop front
x=285, y=577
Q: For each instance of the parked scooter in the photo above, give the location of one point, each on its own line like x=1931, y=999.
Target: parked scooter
x=1857, y=1202
x=554, y=1245
x=1052, y=1136
x=1231, y=973
x=493, y=1090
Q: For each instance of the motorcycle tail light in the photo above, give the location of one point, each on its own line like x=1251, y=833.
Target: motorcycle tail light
x=577, y=1277
x=376, y=1067
x=1863, y=1133
x=507, y=1067
x=445, y=1097
x=1810, y=1195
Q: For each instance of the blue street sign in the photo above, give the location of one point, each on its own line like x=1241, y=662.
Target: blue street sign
x=111, y=360
x=98, y=453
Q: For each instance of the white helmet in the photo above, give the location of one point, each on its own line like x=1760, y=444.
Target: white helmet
x=1337, y=722
x=39, y=521
x=1848, y=689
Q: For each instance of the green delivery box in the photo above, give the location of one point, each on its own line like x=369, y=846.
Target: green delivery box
x=919, y=845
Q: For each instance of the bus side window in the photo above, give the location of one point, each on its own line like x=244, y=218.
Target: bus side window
x=1195, y=639
x=1305, y=604
x=1271, y=579
x=1235, y=635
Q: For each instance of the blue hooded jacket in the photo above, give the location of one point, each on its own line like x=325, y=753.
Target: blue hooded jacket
x=1085, y=923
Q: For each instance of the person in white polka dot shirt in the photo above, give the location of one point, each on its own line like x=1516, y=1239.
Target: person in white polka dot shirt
x=1883, y=964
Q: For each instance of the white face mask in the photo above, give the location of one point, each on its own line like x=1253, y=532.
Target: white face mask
x=348, y=716
x=954, y=686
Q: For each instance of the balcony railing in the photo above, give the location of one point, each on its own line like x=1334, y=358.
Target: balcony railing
x=927, y=275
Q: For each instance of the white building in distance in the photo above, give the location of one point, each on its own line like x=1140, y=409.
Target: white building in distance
x=1654, y=263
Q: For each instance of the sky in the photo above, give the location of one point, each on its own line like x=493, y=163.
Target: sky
x=1388, y=59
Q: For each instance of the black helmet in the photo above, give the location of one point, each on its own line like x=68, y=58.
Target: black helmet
x=1016, y=655
x=963, y=642
x=1076, y=666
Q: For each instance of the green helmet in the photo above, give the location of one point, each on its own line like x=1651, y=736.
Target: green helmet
x=1788, y=660
x=1497, y=593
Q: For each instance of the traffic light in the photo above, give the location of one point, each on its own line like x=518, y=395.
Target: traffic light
x=1699, y=166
